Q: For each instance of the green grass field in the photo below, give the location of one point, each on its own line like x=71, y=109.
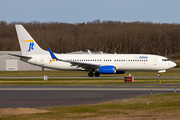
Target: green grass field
x=173, y=72
x=152, y=107
x=80, y=81
x=164, y=106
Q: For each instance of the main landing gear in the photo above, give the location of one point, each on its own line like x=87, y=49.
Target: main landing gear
x=90, y=74
x=97, y=74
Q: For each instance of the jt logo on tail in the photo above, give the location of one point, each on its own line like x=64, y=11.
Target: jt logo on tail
x=31, y=44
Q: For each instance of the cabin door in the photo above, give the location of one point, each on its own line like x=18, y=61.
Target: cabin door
x=155, y=61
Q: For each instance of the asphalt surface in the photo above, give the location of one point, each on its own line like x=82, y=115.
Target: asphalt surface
x=34, y=96
x=135, y=77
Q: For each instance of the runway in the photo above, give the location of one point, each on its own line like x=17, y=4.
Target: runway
x=80, y=77
x=34, y=96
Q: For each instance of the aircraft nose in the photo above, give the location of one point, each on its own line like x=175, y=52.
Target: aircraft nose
x=173, y=64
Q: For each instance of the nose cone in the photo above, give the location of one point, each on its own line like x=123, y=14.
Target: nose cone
x=173, y=64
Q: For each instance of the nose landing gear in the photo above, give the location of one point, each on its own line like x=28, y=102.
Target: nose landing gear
x=159, y=75
x=159, y=72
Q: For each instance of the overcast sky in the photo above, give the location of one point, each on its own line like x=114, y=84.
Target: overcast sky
x=78, y=11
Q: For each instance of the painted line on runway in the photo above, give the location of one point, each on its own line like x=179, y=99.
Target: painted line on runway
x=90, y=89
x=45, y=102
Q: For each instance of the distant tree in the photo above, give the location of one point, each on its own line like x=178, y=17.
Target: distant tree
x=107, y=36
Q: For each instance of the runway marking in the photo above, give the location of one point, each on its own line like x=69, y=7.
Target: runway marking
x=149, y=86
x=92, y=89
x=137, y=86
x=114, y=77
x=174, y=86
x=44, y=102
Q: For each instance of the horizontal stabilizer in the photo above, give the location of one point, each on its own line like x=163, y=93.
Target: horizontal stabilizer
x=20, y=56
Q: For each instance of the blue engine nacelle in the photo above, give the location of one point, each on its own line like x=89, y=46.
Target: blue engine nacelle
x=109, y=70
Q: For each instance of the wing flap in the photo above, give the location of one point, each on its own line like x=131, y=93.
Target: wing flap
x=84, y=65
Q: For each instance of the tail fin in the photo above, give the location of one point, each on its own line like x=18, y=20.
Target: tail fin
x=27, y=43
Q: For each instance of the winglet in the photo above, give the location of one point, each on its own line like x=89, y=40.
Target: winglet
x=52, y=56
x=89, y=52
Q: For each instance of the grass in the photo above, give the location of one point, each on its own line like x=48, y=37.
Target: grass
x=79, y=82
x=151, y=106
x=173, y=72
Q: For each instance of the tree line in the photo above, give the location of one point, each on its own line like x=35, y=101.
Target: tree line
x=106, y=36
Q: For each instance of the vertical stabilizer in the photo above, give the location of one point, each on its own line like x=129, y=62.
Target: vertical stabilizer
x=27, y=43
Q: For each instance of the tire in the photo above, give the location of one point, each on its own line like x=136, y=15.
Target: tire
x=159, y=75
x=90, y=74
x=97, y=74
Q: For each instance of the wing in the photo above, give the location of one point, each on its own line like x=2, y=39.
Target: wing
x=80, y=65
x=83, y=66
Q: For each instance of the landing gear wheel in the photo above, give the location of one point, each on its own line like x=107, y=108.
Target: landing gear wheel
x=97, y=74
x=158, y=74
x=90, y=74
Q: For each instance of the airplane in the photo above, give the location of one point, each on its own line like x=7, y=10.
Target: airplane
x=94, y=64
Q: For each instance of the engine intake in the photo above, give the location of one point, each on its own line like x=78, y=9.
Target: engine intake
x=109, y=70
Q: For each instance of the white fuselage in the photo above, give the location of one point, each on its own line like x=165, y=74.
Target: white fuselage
x=122, y=62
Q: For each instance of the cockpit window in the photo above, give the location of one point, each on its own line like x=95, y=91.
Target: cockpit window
x=165, y=60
